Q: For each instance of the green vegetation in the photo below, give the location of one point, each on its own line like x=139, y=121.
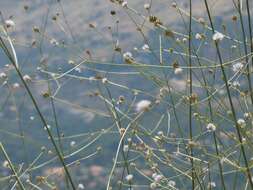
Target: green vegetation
x=126, y=95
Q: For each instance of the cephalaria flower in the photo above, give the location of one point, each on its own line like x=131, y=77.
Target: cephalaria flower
x=198, y=36
x=124, y=4
x=129, y=177
x=241, y=123
x=145, y=47
x=143, y=105
x=210, y=127
x=27, y=78
x=237, y=67
x=218, y=36
x=9, y=23
x=178, y=71
x=147, y=6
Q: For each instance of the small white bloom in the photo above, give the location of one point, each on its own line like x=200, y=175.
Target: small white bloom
x=172, y=183
x=47, y=127
x=78, y=69
x=241, y=122
x=158, y=178
x=211, y=184
x=5, y=164
x=201, y=20
x=32, y=118
x=143, y=105
x=178, y=40
x=233, y=46
x=236, y=84
x=210, y=127
x=246, y=115
x=71, y=62
x=126, y=148
x=16, y=85
x=198, y=36
x=174, y=4
x=72, y=143
x=3, y=75
x=135, y=49
x=153, y=185
x=160, y=133
x=147, y=6
x=129, y=177
x=80, y=186
x=54, y=42
x=104, y=80
x=27, y=78
x=218, y=36
x=178, y=71
x=128, y=55
x=237, y=67
x=145, y=47
x=184, y=40
x=124, y=4
x=9, y=23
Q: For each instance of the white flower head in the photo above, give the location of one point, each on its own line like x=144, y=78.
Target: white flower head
x=247, y=115
x=210, y=127
x=129, y=177
x=145, y=47
x=236, y=84
x=47, y=127
x=78, y=69
x=80, y=186
x=5, y=164
x=178, y=71
x=126, y=148
x=27, y=78
x=16, y=85
x=160, y=133
x=184, y=40
x=158, y=178
x=147, y=6
x=211, y=184
x=218, y=36
x=104, y=80
x=71, y=62
x=178, y=40
x=124, y=4
x=241, y=122
x=198, y=36
x=3, y=75
x=143, y=105
x=153, y=185
x=72, y=143
x=237, y=67
x=174, y=4
x=54, y=42
x=9, y=23
x=172, y=183
x=128, y=55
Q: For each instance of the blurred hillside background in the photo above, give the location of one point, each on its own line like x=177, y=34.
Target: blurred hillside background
x=67, y=45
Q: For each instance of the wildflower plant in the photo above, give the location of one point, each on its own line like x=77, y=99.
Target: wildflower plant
x=150, y=95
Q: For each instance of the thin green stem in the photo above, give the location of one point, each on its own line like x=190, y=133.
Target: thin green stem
x=230, y=100
x=39, y=112
x=12, y=167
